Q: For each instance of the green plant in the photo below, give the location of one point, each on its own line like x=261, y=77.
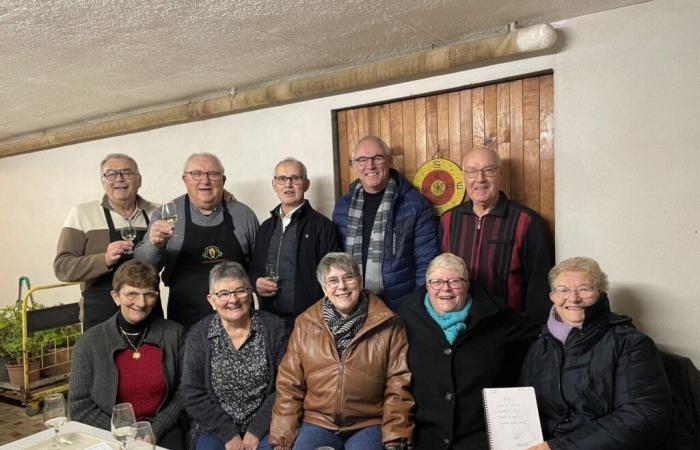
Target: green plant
x=37, y=342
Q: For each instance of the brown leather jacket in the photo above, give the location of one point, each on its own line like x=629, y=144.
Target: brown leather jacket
x=369, y=386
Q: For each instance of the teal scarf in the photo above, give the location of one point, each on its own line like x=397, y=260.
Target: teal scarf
x=451, y=323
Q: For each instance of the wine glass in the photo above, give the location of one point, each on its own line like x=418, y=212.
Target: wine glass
x=142, y=435
x=271, y=272
x=128, y=234
x=122, y=419
x=55, y=415
x=168, y=212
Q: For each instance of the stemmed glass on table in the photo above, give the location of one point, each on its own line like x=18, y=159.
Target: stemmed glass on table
x=122, y=420
x=55, y=415
x=142, y=436
x=128, y=234
x=168, y=212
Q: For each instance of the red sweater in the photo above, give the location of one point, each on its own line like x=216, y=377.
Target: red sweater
x=141, y=381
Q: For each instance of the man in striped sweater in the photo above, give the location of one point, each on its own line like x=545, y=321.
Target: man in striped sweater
x=505, y=244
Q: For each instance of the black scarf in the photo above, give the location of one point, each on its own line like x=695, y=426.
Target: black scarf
x=345, y=328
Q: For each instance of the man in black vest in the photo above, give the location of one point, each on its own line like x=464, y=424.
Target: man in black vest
x=289, y=246
x=208, y=230
x=91, y=247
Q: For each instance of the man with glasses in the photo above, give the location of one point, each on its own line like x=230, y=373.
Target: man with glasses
x=385, y=224
x=504, y=244
x=90, y=246
x=209, y=230
x=290, y=245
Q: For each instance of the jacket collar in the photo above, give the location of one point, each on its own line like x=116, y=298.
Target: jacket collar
x=300, y=212
x=498, y=210
x=377, y=313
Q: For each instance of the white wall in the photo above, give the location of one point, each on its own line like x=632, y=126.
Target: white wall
x=627, y=86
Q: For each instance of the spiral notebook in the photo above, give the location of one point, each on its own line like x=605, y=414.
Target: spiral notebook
x=512, y=419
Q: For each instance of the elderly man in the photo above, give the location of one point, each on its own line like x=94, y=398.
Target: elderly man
x=209, y=230
x=90, y=247
x=291, y=242
x=385, y=224
x=504, y=244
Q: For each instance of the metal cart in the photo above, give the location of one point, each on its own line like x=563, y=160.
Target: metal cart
x=48, y=372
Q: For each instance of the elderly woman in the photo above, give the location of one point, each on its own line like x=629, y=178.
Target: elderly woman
x=600, y=383
x=344, y=381
x=461, y=341
x=231, y=360
x=133, y=357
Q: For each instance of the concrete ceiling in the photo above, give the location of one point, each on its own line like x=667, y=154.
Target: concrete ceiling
x=63, y=62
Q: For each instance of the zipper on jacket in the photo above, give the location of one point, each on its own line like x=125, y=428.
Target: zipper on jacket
x=279, y=248
x=476, y=252
x=341, y=376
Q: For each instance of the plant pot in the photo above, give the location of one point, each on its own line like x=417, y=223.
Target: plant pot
x=56, y=362
x=15, y=372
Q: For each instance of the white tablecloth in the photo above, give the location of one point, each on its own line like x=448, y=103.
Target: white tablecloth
x=69, y=427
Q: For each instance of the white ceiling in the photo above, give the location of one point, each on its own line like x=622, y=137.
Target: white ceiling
x=63, y=62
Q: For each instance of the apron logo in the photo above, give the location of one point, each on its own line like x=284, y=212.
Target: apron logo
x=212, y=252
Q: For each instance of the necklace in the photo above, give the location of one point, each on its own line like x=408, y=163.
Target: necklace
x=137, y=354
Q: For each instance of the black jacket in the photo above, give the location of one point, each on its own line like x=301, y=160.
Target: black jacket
x=604, y=389
x=316, y=236
x=447, y=379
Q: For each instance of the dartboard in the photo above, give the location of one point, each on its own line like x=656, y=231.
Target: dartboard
x=442, y=182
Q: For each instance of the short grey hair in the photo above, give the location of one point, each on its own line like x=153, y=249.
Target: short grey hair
x=447, y=261
x=372, y=138
x=289, y=159
x=207, y=155
x=339, y=260
x=580, y=264
x=227, y=270
x=119, y=156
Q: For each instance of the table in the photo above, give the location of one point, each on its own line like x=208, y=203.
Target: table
x=69, y=427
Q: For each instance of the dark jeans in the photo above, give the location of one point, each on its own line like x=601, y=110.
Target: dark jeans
x=208, y=441
x=311, y=437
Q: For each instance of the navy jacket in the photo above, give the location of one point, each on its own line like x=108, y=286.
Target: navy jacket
x=605, y=389
x=410, y=241
x=316, y=236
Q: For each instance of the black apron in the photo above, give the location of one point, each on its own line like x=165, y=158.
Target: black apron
x=98, y=305
x=202, y=248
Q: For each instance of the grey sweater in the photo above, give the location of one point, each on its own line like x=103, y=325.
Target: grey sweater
x=245, y=226
x=94, y=376
x=196, y=390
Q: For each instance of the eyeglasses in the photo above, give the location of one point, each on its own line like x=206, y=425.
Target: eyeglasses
x=197, y=175
x=225, y=295
x=584, y=292
x=348, y=280
x=133, y=295
x=489, y=172
x=295, y=179
x=453, y=283
x=363, y=160
x=112, y=175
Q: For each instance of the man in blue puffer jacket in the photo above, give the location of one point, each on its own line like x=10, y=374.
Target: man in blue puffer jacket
x=385, y=224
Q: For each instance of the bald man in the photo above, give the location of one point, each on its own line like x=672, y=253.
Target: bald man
x=504, y=244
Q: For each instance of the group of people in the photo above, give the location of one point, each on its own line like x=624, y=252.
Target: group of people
x=377, y=329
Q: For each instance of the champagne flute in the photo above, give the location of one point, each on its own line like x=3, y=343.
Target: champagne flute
x=122, y=419
x=168, y=212
x=142, y=435
x=271, y=272
x=55, y=415
x=128, y=234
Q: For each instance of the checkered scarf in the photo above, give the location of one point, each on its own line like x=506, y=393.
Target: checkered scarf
x=375, y=251
x=345, y=328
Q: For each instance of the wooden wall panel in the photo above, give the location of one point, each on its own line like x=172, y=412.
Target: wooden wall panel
x=514, y=118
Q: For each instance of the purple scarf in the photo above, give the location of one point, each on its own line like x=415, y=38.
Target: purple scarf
x=559, y=329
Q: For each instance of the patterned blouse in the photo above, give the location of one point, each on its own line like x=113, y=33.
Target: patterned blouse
x=239, y=377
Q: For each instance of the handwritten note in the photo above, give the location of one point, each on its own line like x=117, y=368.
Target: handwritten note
x=512, y=418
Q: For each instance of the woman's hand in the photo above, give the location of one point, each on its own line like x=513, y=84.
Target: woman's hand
x=542, y=446
x=236, y=443
x=250, y=442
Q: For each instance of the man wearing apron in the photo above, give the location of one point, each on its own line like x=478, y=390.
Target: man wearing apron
x=208, y=230
x=90, y=247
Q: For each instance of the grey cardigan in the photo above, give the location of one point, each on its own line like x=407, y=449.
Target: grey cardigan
x=94, y=376
x=196, y=390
